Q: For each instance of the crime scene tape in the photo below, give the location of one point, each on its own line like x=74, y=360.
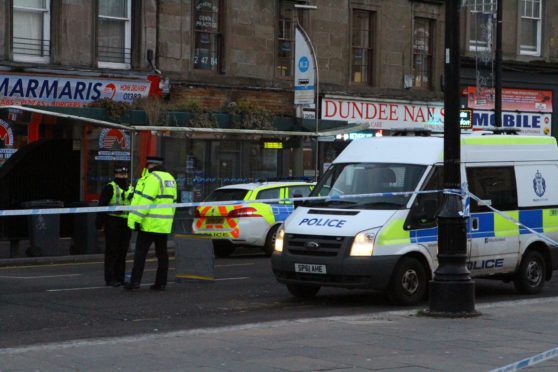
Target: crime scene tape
x=528, y=362
x=38, y=211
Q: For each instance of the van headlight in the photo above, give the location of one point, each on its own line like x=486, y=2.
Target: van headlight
x=279, y=238
x=363, y=245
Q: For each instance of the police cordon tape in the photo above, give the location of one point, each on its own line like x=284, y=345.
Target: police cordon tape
x=463, y=193
x=528, y=362
x=27, y=212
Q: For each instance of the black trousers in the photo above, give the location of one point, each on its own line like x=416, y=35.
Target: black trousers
x=117, y=242
x=143, y=242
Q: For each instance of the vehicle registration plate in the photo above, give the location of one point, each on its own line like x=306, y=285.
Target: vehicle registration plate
x=215, y=220
x=310, y=268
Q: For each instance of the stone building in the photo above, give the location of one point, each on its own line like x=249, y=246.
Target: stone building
x=380, y=62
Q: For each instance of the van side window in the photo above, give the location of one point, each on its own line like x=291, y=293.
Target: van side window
x=268, y=194
x=425, y=207
x=496, y=184
x=299, y=190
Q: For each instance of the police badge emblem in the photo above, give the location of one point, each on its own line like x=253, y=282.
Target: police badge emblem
x=539, y=184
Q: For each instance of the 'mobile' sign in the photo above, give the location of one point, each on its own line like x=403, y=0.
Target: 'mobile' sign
x=20, y=89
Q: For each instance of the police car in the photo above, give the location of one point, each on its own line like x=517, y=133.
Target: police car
x=250, y=223
x=389, y=242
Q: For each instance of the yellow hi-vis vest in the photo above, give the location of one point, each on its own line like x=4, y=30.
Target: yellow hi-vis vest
x=119, y=197
x=156, y=187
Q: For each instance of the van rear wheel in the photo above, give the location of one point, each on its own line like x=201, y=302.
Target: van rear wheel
x=409, y=282
x=530, y=276
x=303, y=291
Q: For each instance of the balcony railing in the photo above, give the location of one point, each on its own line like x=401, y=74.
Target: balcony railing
x=114, y=54
x=31, y=47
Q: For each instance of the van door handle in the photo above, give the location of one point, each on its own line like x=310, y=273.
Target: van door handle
x=475, y=224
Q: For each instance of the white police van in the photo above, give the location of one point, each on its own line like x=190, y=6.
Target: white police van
x=390, y=242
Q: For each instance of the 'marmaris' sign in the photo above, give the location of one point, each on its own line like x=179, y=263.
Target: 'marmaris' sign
x=67, y=91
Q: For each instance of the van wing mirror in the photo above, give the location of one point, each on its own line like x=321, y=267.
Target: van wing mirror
x=297, y=203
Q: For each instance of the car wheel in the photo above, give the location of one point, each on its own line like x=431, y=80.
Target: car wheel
x=303, y=291
x=223, y=250
x=270, y=240
x=530, y=276
x=409, y=282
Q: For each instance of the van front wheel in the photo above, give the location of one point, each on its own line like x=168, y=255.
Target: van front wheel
x=409, y=282
x=303, y=291
x=530, y=277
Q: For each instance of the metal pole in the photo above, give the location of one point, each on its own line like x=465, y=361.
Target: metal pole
x=452, y=292
x=498, y=72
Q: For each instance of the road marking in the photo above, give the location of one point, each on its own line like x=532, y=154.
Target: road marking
x=242, y=264
x=37, y=276
x=238, y=278
x=142, y=285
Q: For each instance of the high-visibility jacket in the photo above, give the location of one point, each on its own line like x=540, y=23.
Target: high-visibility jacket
x=120, y=197
x=156, y=187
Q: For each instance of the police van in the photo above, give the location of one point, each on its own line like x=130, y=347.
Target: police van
x=389, y=242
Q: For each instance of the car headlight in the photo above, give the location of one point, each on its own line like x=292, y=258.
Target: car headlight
x=279, y=239
x=363, y=245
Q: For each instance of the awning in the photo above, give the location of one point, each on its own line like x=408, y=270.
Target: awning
x=101, y=123
x=139, y=128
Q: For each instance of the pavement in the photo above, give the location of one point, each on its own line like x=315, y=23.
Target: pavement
x=512, y=334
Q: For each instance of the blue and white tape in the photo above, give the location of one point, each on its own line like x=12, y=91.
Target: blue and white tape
x=528, y=362
x=38, y=211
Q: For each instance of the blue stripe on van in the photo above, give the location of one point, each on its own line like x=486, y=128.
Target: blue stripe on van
x=531, y=218
x=486, y=225
x=424, y=235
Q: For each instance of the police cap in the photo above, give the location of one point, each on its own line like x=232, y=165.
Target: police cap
x=155, y=160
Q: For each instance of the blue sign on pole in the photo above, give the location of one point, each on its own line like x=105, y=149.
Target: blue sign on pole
x=303, y=64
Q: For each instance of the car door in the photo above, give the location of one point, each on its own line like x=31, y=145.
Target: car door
x=495, y=239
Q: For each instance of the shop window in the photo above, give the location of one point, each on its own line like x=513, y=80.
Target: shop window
x=114, y=35
x=530, y=27
x=31, y=31
x=208, y=38
x=422, y=53
x=287, y=18
x=480, y=15
x=363, y=30
x=496, y=184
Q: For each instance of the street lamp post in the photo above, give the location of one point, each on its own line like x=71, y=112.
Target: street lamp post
x=452, y=291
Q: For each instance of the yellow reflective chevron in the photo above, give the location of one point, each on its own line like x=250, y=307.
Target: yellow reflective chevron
x=550, y=220
x=393, y=233
x=504, y=227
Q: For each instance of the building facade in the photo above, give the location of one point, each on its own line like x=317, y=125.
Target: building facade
x=380, y=62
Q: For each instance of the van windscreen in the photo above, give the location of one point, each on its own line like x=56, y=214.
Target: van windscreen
x=367, y=178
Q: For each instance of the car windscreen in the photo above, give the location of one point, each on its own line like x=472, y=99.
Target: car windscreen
x=367, y=178
x=226, y=195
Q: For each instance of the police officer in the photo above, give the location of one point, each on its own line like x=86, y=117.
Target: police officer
x=156, y=186
x=118, y=192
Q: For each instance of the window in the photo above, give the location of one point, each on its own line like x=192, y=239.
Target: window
x=481, y=13
x=425, y=207
x=422, y=53
x=114, y=40
x=31, y=30
x=362, y=46
x=288, y=16
x=496, y=184
x=207, y=35
x=299, y=190
x=530, y=27
x=268, y=194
